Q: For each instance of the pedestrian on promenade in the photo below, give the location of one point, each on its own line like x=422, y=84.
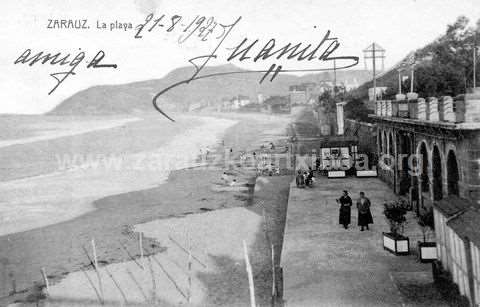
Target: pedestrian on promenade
x=309, y=178
x=300, y=180
x=345, y=209
x=364, y=213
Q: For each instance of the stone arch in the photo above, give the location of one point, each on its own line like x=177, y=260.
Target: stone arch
x=391, y=148
x=452, y=173
x=437, y=184
x=380, y=141
x=385, y=146
x=424, y=164
x=404, y=150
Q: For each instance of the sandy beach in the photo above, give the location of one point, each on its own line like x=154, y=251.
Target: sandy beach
x=81, y=179
x=189, y=194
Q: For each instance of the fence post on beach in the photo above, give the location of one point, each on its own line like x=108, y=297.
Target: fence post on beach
x=45, y=278
x=154, y=284
x=95, y=264
x=265, y=226
x=189, y=269
x=14, y=282
x=248, y=267
x=140, y=242
x=274, y=292
x=189, y=291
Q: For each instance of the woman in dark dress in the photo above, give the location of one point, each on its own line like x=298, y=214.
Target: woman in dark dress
x=345, y=205
x=364, y=213
x=300, y=180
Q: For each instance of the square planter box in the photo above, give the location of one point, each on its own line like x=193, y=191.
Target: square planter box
x=398, y=245
x=336, y=174
x=371, y=173
x=427, y=251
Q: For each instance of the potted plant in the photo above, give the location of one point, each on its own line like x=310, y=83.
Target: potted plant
x=427, y=251
x=394, y=241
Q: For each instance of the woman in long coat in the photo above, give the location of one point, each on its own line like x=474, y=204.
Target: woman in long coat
x=364, y=213
x=345, y=209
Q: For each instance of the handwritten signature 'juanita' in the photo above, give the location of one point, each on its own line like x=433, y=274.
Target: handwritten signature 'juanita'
x=254, y=50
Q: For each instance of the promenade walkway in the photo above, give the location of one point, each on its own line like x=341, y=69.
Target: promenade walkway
x=326, y=265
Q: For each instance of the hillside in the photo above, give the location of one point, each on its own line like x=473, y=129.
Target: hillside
x=443, y=67
x=137, y=97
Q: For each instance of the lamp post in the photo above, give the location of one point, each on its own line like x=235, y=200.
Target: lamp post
x=411, y=79
x=400, y=81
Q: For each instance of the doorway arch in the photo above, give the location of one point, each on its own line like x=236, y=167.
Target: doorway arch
x=452, y=174
x=425, y=185
x=391, y=147
x=437, y=173
x=385, y=143
x=380, y=141
x=404, y=150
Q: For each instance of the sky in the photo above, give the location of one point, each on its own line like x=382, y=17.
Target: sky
x=399, y=26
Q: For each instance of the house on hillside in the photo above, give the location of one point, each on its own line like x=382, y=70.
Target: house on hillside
x=194, y=106
x=324, y=86
x=351, y=84
x=277, y=104
x=260, y=98
x=297, y=94
x=235, y=103
x=239, y=101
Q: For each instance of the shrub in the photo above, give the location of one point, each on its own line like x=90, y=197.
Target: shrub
x=426, y=222
x=395, y=214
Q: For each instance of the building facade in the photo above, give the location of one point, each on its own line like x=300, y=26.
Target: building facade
x=433, y=145
x=429, y=151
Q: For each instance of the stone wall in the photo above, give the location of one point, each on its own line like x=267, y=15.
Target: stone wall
x=465, y=149
x=366, y=132
x=367, y=138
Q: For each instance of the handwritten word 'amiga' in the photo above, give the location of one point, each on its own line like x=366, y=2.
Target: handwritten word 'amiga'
x=62, y=60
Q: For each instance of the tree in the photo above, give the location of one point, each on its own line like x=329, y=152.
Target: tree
x=326, y=100
x=356, y=109
x=395, y=214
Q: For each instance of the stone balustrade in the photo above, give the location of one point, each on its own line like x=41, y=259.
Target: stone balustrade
x=388, y=108
x=472, y=106
x=433, y=109
x=446, y=109
x=421, y=109
x=459, y=109
x=383, y=111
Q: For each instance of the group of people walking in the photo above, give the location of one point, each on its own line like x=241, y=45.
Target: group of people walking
x=363, y=206
x=305, y=179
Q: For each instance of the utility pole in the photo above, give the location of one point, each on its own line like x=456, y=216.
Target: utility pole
x=334, y=79
x=374, y=52
x=374, y=75
x=474, y=59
